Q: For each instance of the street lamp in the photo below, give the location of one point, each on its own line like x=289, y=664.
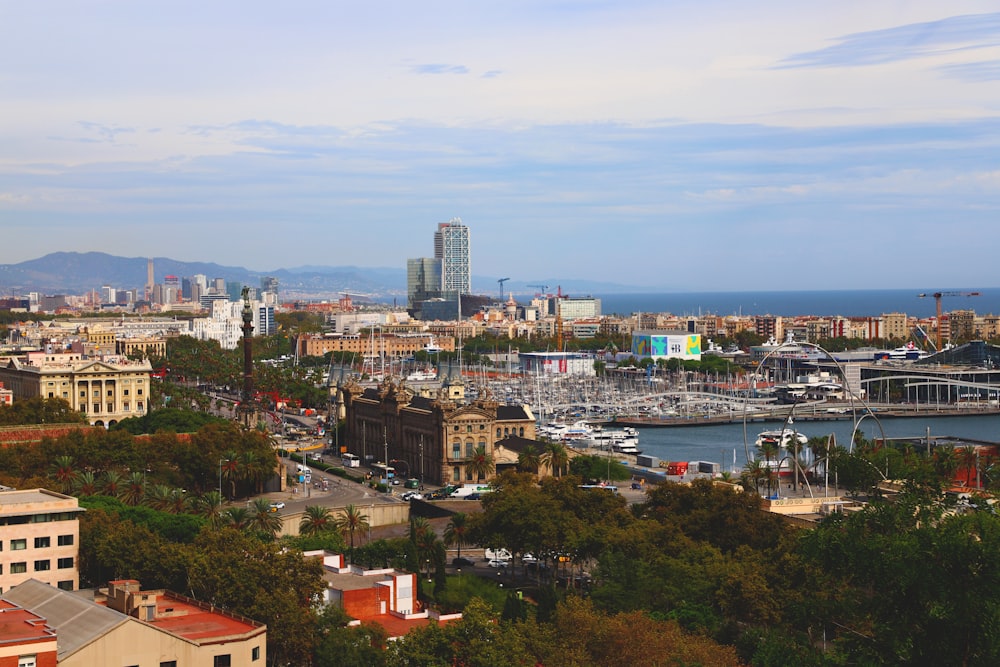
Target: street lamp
x=421, y=460
x=221, y=461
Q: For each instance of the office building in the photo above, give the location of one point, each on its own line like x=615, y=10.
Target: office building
x=423, y=280
x=451, y=246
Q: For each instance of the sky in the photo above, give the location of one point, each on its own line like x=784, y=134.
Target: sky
x=680, y=146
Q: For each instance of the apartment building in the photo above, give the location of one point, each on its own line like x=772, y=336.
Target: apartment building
x=39, y=538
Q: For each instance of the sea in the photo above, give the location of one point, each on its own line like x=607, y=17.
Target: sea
x=724, y=443
x=846, y=303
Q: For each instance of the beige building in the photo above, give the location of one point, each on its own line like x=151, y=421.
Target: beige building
x=894, y=326
x=106, y=391
x=436, y=438
x=129, y=626
x=39, y=538
x=149, y=346
x=379, y=345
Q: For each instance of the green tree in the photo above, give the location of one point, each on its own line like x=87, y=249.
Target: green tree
x=263, y=520
x=529, y=460
x=457, y=531
x=480, y=466
x=316, y=520
x=556, y=458
x=350, y=521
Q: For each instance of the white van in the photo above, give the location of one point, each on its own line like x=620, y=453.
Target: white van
x=499, y=554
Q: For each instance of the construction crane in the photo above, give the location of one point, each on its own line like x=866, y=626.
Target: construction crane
x=502, y=281
x=542, y=289
x=937, y=302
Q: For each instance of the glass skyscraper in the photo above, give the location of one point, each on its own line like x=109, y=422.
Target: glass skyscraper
x=451, y=246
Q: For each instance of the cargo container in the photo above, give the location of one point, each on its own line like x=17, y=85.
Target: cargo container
x=677, y=468
x=647, y=461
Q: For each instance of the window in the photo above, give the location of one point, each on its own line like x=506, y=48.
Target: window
x=468, y=429
x=522, y=431
x=456, y=452
x=498, y=432
x=26, y=661
x=65, y=540
x=468, y=475
x=111, y=392
x=222, y=661
x=18, y=568
x=43, y=565
x=66, y=585
x=65, y=563
x=456, y=473
x=470, y=449
x=255, y=653
x=97, y=407
x=126, y=392
x=168, y=663
x=18, y=545
x=139, y=391
x=83, y=393
x=43, y=542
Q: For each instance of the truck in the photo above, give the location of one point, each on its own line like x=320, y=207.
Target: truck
x=467, y=490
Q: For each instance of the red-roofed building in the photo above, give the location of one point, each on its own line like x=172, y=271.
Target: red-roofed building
x=387, y=597
x=125, y=625
x=25, y=638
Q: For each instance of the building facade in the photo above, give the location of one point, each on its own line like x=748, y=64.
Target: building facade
x=106, y=390
x=39, y=538
x=436, y=437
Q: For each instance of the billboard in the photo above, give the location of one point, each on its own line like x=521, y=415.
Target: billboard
x=666, y=346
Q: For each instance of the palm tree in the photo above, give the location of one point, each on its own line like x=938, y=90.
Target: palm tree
x=968, y=458
x=237, y=517
x=254, y=470
x=425, y=541
x=134, y=489
x=529, y=459
x=480, y=465
x=316, y=521
x=262, y=519
x=85, y=483
x=209, y=505
x=350, y=520
x=158, y=497
x=456, y=532
x=230, y=471
x=114, y=482
x=62, y=470
x=556, y=458
x=179, y=501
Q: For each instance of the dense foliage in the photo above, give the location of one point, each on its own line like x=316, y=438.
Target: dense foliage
x=40, y=411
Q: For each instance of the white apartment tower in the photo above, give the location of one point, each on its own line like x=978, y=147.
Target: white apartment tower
x=451, y=246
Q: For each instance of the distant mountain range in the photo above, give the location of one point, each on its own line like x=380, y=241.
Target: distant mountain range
x=78, y=273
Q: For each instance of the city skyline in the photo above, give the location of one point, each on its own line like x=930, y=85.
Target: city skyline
x=706, y=147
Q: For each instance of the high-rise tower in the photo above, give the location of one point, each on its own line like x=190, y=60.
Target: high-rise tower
x=451, y=246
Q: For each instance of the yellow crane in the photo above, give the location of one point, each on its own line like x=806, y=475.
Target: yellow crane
x=937, y=302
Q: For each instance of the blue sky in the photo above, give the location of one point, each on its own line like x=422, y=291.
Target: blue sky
x=676, y=145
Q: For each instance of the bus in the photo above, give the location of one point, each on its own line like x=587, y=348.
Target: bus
x=350, y=460
x=383, y=471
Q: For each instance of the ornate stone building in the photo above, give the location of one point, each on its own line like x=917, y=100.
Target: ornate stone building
x=434, y=438
x=106, y=390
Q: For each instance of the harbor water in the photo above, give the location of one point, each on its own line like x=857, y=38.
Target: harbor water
x=724, y=443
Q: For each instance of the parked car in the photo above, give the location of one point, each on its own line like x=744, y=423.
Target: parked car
x=277, y=505
x=496, y=562
x=462, y=561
